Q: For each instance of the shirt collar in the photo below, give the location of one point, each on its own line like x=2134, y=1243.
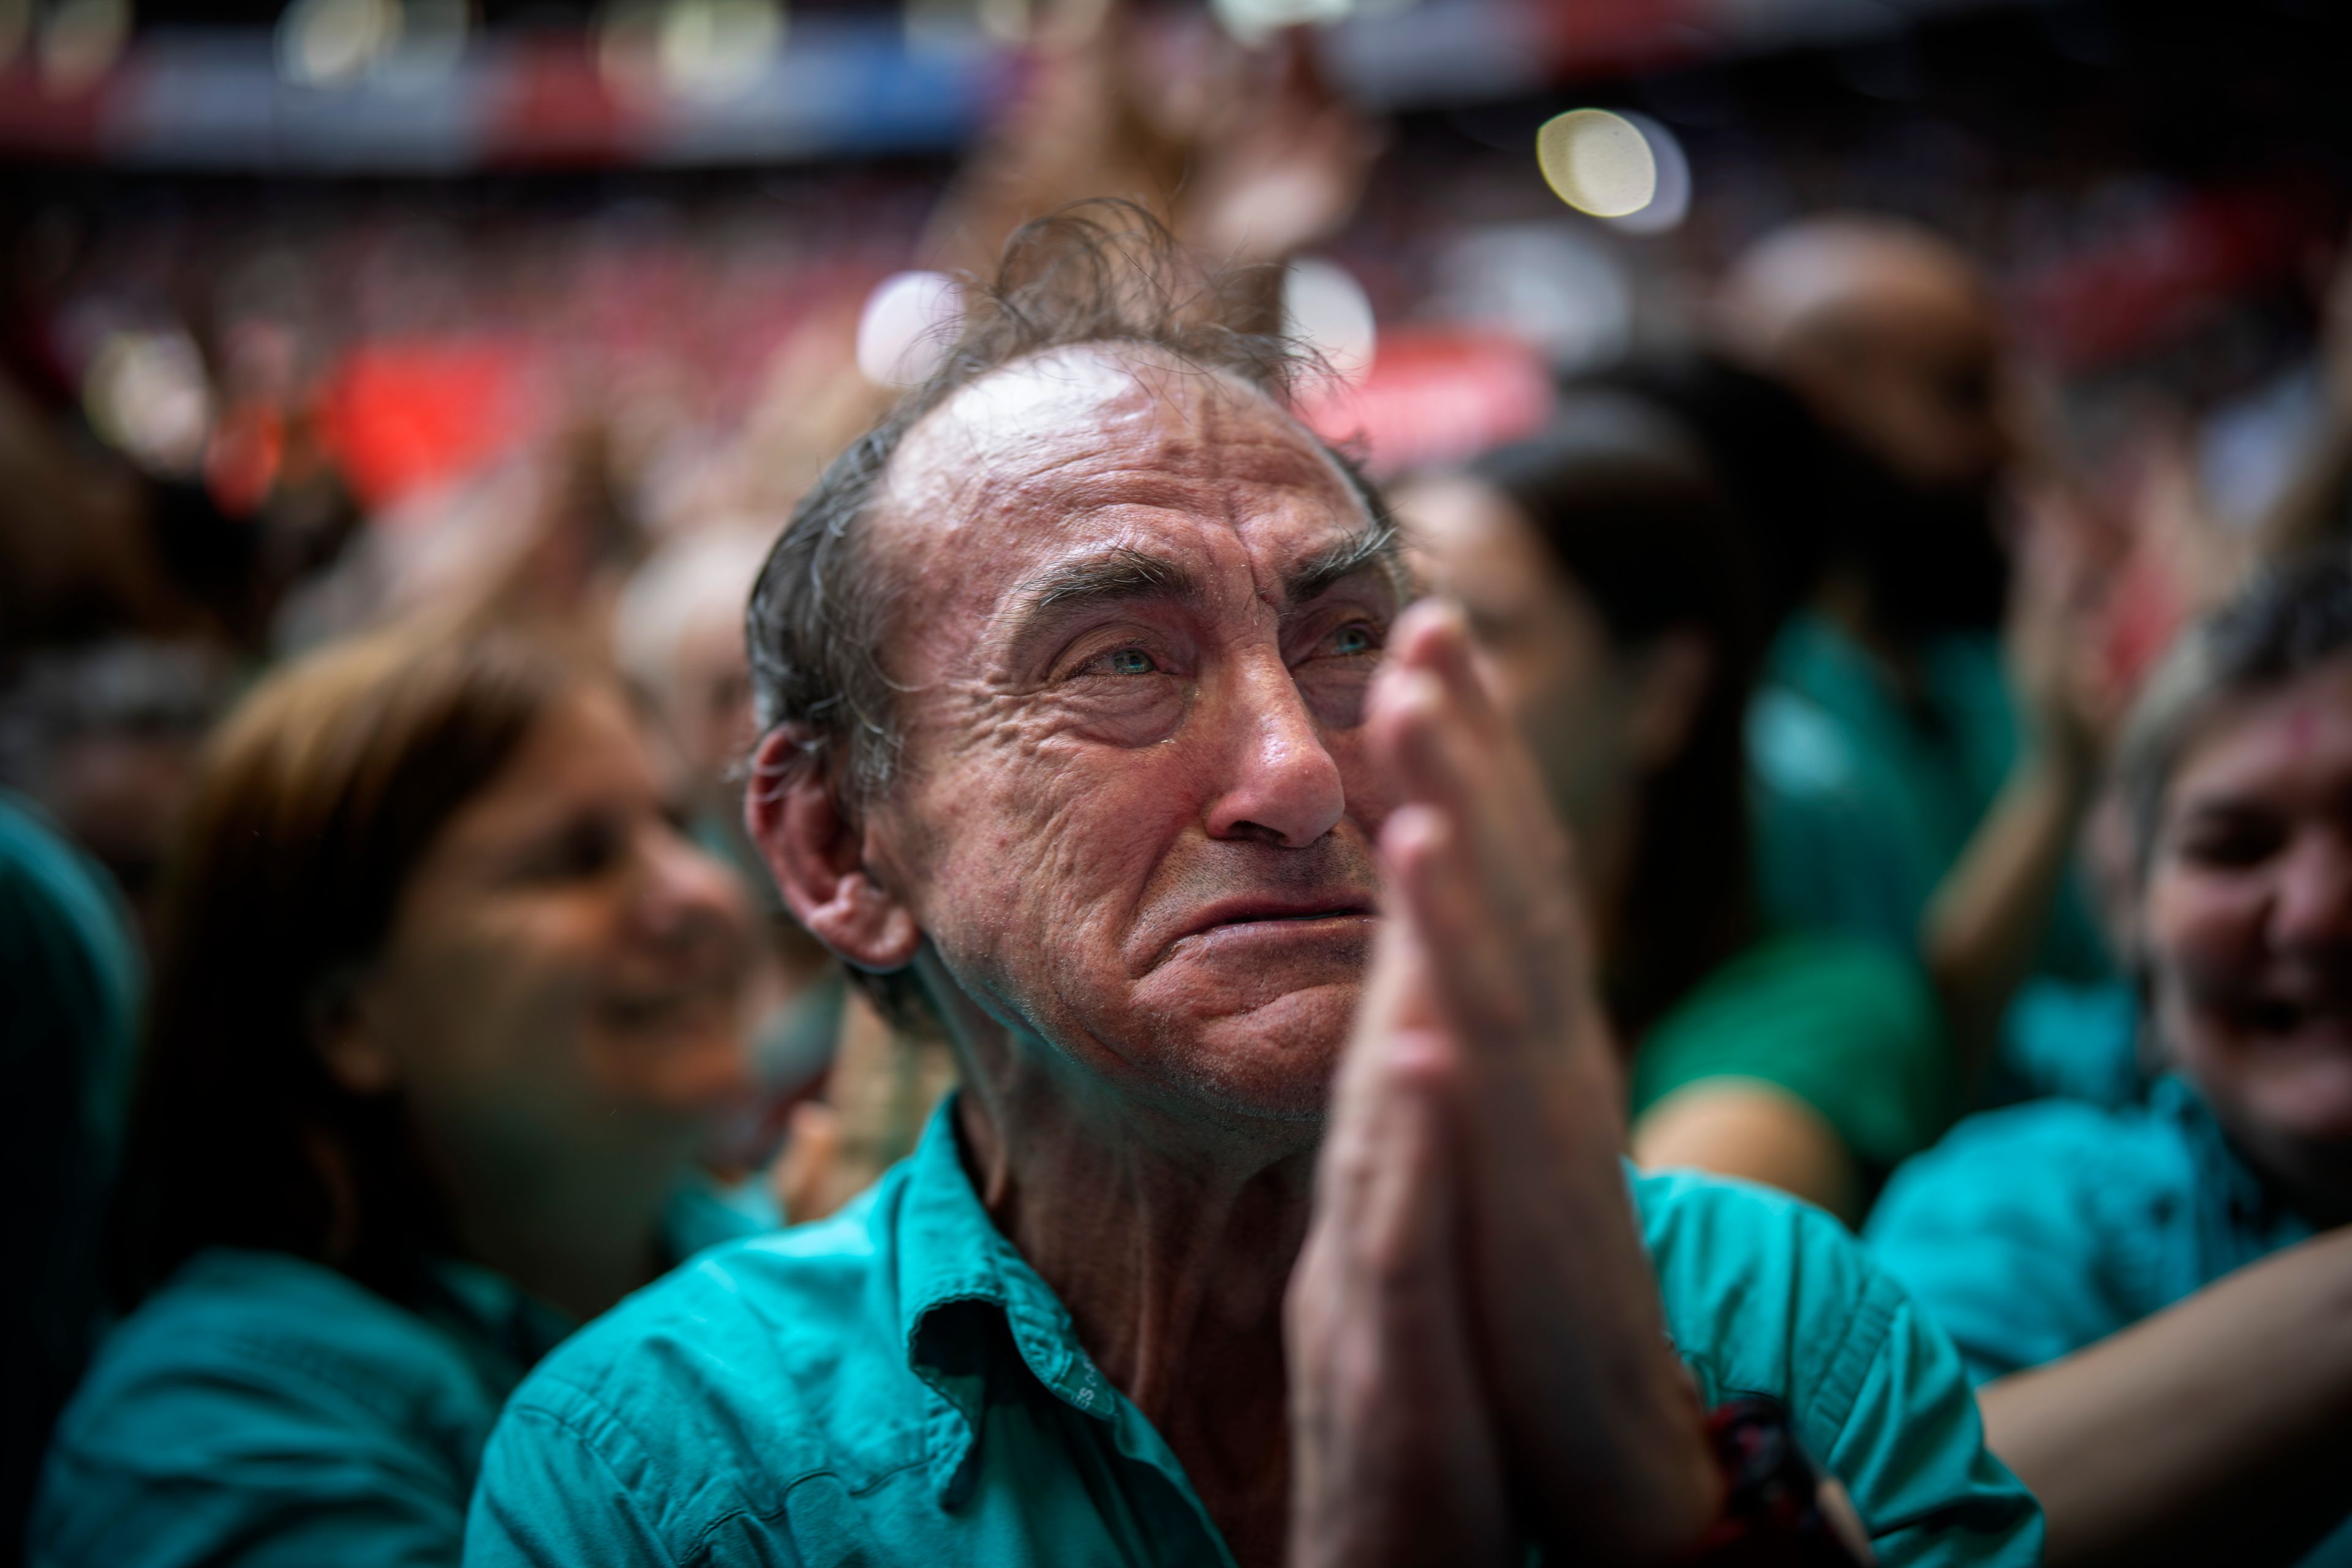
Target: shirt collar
x=959, y=1277
x=2252, y=1214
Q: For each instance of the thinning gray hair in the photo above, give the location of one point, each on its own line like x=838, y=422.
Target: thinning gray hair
x=1097, y=272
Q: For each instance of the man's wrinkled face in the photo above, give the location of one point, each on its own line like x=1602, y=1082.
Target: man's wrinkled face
x=1140, y=611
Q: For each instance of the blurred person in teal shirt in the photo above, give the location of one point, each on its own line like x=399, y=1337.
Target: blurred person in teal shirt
x=1927, y=738
x=445, y=1002
x=1282, y=1216
x=2155, y=1299
x=1615, y=607
x=70, y=983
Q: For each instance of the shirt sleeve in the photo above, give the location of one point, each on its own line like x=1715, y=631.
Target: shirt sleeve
x=246, y=1465
x=1997, y=1234
x=1767, y=1295
x=563, y=1486
x=1911, y=1451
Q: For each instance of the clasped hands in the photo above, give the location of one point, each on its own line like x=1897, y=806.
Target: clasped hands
x=1478, y=1359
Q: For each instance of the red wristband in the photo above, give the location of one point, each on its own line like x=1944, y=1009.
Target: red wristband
x=1772, y=1513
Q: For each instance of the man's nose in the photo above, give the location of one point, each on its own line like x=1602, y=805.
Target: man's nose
x=2310, y=911
x=1280, y=783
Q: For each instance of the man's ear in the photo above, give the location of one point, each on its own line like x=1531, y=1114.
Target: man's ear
x=1671, y=683
x=817, y=853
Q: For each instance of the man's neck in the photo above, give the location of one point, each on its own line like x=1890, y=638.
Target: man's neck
x=1171, y=1252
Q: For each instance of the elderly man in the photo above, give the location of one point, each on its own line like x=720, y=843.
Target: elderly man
x=1097, y=714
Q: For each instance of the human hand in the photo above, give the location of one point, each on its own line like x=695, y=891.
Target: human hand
x=2055, y=639
x=1601, y=1430
x=1393, y=1456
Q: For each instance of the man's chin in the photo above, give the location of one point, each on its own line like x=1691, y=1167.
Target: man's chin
x=1274, y=1060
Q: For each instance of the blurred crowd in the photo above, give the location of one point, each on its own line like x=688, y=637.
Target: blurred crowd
x=1957, y=759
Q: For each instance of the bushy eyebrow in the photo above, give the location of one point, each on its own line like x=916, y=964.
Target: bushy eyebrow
x=1113, y=575
x=1124, y=574
x=1374, y=546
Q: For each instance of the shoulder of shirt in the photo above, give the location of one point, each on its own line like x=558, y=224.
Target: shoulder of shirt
x=254, y=1330
x=758, y=1363
x=2104, y=1177
x=1720, y=1228
x=2041, y=1147
x=1767, y=1294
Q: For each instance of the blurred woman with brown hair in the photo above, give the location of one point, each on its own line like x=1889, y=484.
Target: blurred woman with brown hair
x=445, y=1002
x=1613, y=600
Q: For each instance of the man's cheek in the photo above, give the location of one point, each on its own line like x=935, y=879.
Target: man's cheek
x=1034, y=860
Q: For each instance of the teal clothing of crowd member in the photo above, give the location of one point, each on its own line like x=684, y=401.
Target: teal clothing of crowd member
x=446, y=1010
x=262, y=1409
x=70, y=978
x=1863, y=799
x=2037, y=1231
x=2065, y=1039
x=1847, y=1027
x=895, y=1385
x=2031, y=1232
x=2151, y=1297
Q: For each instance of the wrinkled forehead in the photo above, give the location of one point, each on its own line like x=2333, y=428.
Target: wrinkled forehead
x=1104, y=444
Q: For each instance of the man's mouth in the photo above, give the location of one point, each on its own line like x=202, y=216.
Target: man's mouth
x=1270, y=911
x=1247, y=911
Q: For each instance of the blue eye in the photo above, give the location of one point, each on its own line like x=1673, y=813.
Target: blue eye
x=1131, y=661
x=1353, y=640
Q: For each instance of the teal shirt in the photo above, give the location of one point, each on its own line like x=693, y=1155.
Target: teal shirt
x=2063, y=1040
x=1863, y=801
x=261, y=1410
x=2032, y=1233
x=896, y=1386
x=1849, y=1028
x=71, y=981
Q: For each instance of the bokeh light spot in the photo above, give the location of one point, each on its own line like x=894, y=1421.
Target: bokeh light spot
x=1670, y=201
x=1252, y=22
x=1324, y=307
x=147, y=394
x=907, y=327
x=716, y=50
x=1598, y=162
x=324, y=42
